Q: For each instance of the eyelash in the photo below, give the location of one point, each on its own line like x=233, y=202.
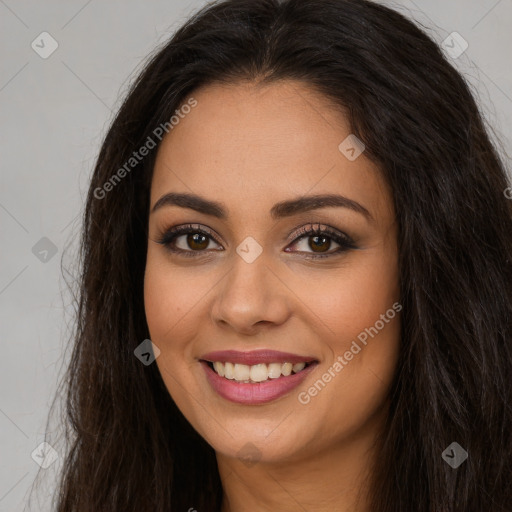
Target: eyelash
x=307, y=231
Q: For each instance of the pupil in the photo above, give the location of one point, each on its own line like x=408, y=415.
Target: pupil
x=316, y=243
x=195, y=239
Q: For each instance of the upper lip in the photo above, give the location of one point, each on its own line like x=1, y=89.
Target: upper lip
x=256, y=357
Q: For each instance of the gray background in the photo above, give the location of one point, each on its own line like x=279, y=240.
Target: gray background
x=54, y=114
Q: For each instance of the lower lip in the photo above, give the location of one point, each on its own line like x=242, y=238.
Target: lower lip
x=257, y=393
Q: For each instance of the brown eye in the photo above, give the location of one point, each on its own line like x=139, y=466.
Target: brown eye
x=187, y=240
x=197, y=241
x=319, y=243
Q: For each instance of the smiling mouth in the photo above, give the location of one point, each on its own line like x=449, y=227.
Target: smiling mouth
x=253, y=374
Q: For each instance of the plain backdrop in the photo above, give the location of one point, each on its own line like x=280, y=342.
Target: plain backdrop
x=55, y=112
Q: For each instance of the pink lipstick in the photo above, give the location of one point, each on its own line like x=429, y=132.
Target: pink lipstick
x=270, y=369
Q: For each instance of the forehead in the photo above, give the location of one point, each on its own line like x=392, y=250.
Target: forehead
x=250, y=145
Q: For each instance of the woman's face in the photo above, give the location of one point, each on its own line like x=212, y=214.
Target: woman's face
x=257, y=281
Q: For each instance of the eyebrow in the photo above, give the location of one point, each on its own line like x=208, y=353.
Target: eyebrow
x=280, y=210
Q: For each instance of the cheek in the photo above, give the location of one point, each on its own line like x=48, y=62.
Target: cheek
x=172, y=301
x=160, y=301
x=169, y=300
x=360, y=311
x=352, y=298
x=172, y=292
x=169, y=303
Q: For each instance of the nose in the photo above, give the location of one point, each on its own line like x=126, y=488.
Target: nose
x=250, y=297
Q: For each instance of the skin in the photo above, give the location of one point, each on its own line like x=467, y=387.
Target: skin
x=250, y=146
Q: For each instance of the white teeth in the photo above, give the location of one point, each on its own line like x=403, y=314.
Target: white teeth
x=298, y=367
x=274, y=370
x=257, y=372
x=229, y=370
x=219, y=368
x=241, y=372
x=287, y=369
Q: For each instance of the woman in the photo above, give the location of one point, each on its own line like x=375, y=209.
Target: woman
x=297, y=280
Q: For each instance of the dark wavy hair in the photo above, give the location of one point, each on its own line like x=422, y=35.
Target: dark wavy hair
x=128, y=445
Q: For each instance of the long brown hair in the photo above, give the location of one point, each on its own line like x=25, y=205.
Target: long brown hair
x=128, y=446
